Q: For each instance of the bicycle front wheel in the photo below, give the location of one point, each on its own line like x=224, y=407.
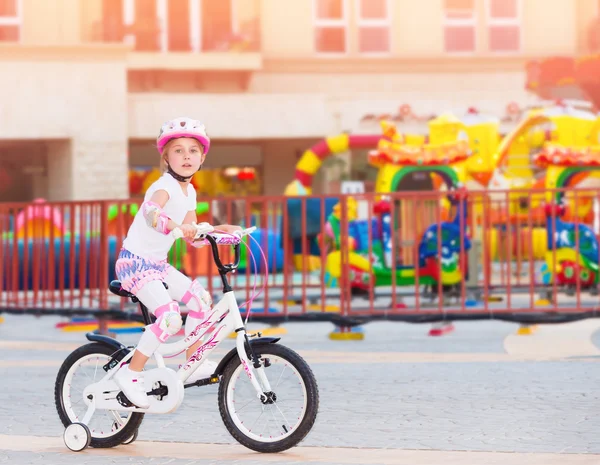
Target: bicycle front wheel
x=285, y=417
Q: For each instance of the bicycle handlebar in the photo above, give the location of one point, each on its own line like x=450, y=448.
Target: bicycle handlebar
x=206, y=232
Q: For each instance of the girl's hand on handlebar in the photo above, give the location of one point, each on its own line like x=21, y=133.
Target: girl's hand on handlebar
x=188, y=230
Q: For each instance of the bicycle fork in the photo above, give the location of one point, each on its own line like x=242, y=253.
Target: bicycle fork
x=235, y=323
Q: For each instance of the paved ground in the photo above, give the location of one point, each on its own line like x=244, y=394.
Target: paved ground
x=480, y=395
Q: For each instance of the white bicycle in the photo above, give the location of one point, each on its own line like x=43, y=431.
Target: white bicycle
x=257, y=374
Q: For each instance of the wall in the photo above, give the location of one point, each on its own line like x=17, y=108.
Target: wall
x=52, y=22
x=587, y=11
x=232, y=116
x=418, y=29
x=302, y=105
x=287, y=28
x=75, y=93
x=550, y=27
x=60, y=171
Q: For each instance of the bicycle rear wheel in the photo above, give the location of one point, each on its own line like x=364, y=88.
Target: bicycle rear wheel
x=81, y=368
x=290, y=410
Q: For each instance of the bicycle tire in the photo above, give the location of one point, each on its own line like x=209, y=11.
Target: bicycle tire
x=312, y=400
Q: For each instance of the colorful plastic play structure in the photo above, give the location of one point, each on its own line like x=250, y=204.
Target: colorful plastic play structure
x=455, y=154
x=553, y=146
x=572, y=253
x=371, y=261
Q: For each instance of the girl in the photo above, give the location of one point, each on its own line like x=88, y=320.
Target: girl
x=142, y=265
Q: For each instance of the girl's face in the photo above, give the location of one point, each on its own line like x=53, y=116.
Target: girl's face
x=185, y=155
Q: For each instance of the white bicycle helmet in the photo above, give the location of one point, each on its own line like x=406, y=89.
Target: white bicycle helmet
x=182, y=127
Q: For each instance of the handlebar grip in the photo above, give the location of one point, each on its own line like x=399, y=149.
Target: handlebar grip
x=244, y=232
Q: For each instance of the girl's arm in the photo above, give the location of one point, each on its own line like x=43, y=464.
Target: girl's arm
x=190, y=217
x=154, y=214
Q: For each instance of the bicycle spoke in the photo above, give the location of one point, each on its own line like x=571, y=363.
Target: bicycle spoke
x=273, y=415
x=95, y=369
x=261, y=413
x=245, y=405
x=282, y=371
x=117, y=417
x=284, y=418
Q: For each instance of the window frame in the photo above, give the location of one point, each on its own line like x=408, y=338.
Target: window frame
x=491, y=22
x=379, y=23
x=343, y=23
x=449, y=22
x=16, y=20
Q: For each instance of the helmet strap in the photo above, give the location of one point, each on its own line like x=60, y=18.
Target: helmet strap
x=177, y=176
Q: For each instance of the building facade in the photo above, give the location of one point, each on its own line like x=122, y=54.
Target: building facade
x=86, y=84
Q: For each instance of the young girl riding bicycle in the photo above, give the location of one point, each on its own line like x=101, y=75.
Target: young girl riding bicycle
x=142, y=266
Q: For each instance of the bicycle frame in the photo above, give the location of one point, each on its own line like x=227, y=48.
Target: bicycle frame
x=224, y=319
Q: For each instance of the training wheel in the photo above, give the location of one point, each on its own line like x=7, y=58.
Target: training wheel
x=131, y=439
x=77, y=437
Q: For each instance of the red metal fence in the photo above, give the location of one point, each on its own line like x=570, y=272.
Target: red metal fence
x=433, y=256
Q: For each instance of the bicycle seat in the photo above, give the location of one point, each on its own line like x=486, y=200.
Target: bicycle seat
x=115, y=288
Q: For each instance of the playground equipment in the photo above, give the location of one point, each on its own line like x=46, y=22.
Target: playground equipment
x=377, y=266
x=449, y=141
x=89, y=324
x=39, y=220
x=478, y=132
x=501, y=167
x=562, y=124
x=570, y=126
x=572, y=256
x=371, y=260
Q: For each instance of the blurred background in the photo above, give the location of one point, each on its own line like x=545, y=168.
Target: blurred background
x=86, y=84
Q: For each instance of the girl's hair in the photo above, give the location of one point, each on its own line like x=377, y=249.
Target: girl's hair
x=163, y=157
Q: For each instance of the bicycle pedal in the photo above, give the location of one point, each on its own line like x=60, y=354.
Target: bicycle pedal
x=123, y=400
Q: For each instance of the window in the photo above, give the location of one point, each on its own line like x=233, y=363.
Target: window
x=374, y=25
x=10, y=20
x=142, y=24
x=178, y=26
x=460, y=23
x=189, y=25
x=217, y=25
x=112, y=21
x=331, y=26
x=504, y=25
